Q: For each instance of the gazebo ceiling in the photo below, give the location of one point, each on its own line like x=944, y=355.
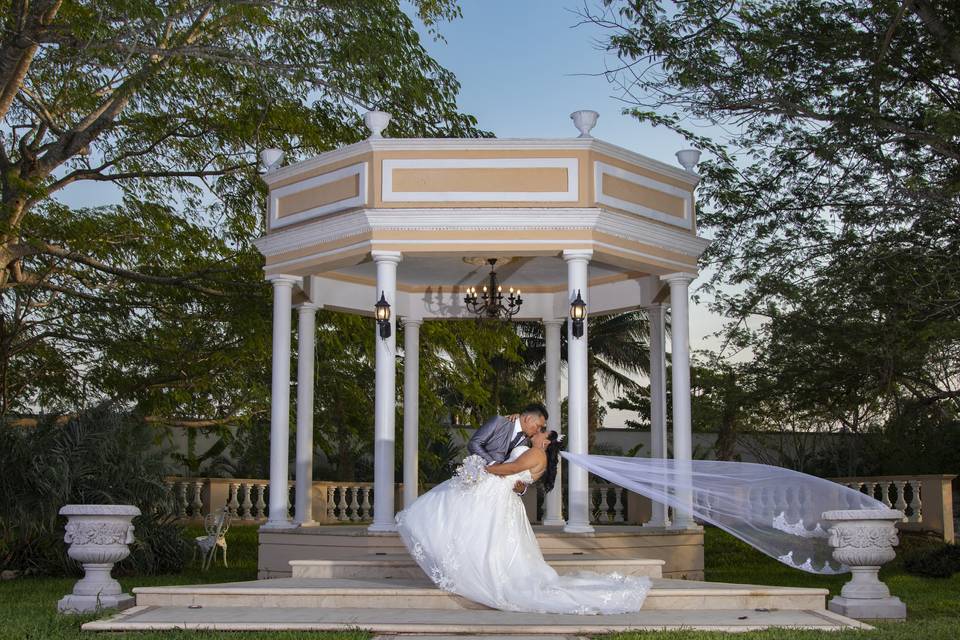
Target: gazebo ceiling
x=531, y=274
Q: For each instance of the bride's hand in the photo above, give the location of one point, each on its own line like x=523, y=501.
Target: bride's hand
x=519, y=487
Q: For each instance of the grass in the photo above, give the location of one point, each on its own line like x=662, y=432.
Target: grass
x=28, y=605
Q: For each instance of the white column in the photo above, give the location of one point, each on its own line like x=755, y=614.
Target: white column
x=411, y=408
x=384, y=426
x=280, y=403
x=553, y=515
x=680, y=361
x=658, y=401
x=578, y=498
x=306, y=337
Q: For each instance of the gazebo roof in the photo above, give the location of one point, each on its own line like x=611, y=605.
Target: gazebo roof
x=447, y=204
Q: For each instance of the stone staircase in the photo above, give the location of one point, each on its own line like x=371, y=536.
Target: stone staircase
x=391, y=595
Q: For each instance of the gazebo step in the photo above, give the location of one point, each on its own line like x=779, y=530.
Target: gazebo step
x=442, y=623
x=403, y=566
x=421, y=594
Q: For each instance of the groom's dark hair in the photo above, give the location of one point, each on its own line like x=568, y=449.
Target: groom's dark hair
x=536, y=407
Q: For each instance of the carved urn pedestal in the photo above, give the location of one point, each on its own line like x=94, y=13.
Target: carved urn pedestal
x=863, y=539
x=98, y=535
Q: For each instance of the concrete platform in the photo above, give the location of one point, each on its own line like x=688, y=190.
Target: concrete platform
x=411, y=594
x=681, y=550
x=446, y=621
x=403, y=566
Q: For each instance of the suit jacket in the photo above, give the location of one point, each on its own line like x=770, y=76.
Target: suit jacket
x=492, y=440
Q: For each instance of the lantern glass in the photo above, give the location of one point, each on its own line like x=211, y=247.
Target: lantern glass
x=383, y=309
x=578, y=308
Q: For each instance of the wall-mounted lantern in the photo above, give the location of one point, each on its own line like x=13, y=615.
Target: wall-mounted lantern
x=578, y=312
x=383, y=316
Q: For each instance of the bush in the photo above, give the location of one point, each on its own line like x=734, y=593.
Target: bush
x=934, y=561
x=99, y=457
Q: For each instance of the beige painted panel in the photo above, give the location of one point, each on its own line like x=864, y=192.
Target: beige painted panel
x=326, y=168
x=329, y=193
x=585, y=176
x=520, y=180
x=644, y=196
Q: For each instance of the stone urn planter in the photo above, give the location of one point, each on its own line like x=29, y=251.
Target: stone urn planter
x=863, y=539
x=98, y=535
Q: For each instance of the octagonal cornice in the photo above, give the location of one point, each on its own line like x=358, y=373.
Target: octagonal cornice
x=619, y=239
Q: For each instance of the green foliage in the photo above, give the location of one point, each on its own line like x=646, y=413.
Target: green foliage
x=98, y=457
x=157, y=300
x=935, y=561
x=834, y=200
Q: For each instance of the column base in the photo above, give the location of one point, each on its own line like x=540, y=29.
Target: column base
x=382, y=528
x=658, y=524
x=554, y=522
x=572, y=527
x=307, y=523
x=891, y=608
x=89, y=604
x=276, y=525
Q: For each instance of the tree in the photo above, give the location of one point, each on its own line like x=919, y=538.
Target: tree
x=617, y=351
x=834, y=200
x=157, y=300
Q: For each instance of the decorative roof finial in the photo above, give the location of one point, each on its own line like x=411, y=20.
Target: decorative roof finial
x=376, y=121
x=584, y=121
x=688, y=159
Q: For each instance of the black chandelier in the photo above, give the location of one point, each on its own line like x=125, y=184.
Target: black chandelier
x=491, y=303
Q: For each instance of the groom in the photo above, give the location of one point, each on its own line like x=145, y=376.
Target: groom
x=501, y=434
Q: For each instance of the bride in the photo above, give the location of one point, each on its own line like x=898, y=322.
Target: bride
x=471, y=536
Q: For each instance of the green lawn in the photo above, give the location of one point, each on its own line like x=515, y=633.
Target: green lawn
x=28, y=605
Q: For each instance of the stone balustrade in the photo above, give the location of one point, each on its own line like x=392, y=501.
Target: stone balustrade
x=247, y=499
x=925, y=500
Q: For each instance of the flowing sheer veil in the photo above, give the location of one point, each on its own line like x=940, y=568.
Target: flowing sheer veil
x=773, y=509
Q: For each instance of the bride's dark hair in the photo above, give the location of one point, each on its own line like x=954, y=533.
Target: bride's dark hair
x=553, y=459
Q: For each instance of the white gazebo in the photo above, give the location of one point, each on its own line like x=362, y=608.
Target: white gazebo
x=412, y=221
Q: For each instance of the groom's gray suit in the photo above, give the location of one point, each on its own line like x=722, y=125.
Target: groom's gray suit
x=492, y=441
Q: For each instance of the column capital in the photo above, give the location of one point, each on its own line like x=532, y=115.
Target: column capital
x=387, y=256
x=553, y=321
x=283, y=280
x=303, y=307
x=575, y=255
x=412, y=322
x=679, y=278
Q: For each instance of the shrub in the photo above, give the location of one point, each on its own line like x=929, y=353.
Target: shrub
x=99, y=457
x=934, y=561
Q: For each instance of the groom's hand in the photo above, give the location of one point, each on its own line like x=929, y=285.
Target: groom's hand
x=519, y=488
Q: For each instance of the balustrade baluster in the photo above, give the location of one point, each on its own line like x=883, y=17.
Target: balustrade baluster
x=261, y=502
x=917, y=502
x=233, y=500
x=330, y=505
x=618, y=504
x=342, y=503
x=197, y=503
x=247, y=505
x=354, y=505
x=901, y=498
x=182, y=503
x=366, y=513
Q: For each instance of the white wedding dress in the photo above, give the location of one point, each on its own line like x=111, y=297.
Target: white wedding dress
x=471, y=536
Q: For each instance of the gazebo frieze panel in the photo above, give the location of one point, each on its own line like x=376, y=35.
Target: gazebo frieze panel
x=474, y=174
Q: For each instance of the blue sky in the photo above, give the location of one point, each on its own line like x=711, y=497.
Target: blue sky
x=524, y=67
